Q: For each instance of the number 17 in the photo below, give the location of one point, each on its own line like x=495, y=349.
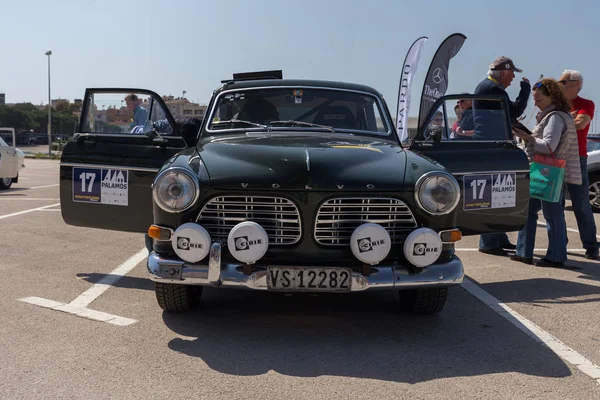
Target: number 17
x=84, y=176
x=474, y=184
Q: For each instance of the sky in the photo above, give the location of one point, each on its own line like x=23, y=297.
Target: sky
x=176, y=45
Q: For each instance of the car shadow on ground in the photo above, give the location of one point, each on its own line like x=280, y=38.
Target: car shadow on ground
x=542, y=291
x=361, y=335
x=590, y=269
x=577, y=262
x=127, y=282
x=595, y=277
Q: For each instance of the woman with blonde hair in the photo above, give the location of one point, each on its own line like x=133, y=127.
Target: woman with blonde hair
x=555, y=135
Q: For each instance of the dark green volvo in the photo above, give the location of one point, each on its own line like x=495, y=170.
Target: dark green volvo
x=292, y=186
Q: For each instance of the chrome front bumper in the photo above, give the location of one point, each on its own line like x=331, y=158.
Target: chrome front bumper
x=217, y=274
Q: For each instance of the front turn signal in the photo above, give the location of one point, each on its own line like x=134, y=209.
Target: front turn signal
x=158, y=233
x=451, y=236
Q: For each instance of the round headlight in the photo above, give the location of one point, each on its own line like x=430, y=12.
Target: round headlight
x=175, y=189
x=437, y=192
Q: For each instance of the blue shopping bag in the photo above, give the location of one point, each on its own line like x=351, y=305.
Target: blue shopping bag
x=546, y=178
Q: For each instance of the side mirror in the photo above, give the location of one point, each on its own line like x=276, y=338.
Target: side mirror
x=189, y=129
x=148, y=127
x=435, y=132
x=150, y=131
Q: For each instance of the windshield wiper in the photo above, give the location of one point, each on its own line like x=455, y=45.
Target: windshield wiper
x=239, y=121
x=294, y=122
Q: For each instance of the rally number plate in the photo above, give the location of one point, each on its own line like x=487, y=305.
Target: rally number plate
x=302, y=279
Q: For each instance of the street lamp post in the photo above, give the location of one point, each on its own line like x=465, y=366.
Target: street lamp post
x=48, y=53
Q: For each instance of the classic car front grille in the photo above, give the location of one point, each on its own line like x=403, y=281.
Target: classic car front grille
x=337, y=218
x=277, y=215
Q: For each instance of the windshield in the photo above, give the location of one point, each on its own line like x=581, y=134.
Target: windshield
x=297, y=109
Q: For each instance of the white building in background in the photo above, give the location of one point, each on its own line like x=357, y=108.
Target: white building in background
x=182, y=107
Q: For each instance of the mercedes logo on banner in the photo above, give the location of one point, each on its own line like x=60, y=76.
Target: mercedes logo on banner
x=438, y=75
x=436, y=82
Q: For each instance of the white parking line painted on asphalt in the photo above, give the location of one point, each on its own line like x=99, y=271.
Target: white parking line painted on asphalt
x=534, y=331
x=113, y=276
x=41, y=187
x=104, y=317
x=80, y=312
x=477, y=249
x=28, y=211
x=569, y=229
x=79, y=306
x=6, y=197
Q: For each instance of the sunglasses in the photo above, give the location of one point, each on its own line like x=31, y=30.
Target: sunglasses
x=538, y=85
x=564, y=81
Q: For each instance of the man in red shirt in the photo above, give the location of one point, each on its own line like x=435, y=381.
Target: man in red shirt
x=582, y=113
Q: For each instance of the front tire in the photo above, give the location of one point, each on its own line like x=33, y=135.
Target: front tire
x=177, y=298
x=6, y=183
x=423, y=301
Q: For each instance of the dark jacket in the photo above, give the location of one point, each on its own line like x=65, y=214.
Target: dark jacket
x=490, y=125
x=466, y=123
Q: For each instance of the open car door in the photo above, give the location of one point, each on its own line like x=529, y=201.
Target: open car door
x=479, y=150
x=107, y=169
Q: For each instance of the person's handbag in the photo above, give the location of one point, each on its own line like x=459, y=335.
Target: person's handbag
x=546, y=178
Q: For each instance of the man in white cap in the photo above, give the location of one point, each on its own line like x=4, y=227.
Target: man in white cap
x=582, y=112
x=500, y=75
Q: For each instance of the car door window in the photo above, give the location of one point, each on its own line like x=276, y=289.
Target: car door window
x=6, y=137
x=159, y=118
x=123, y=113
x=469, y=119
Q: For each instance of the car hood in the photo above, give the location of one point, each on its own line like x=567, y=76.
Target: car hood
x=293, y=162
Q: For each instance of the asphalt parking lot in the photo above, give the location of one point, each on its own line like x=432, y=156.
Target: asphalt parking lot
x=511, y=331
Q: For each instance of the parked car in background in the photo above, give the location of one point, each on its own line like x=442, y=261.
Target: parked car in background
x=11, y=161
x=593, y=164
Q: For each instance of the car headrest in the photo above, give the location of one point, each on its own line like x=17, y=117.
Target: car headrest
x=259, y=111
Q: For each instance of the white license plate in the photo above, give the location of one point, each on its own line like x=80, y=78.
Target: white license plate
x=309, y=279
